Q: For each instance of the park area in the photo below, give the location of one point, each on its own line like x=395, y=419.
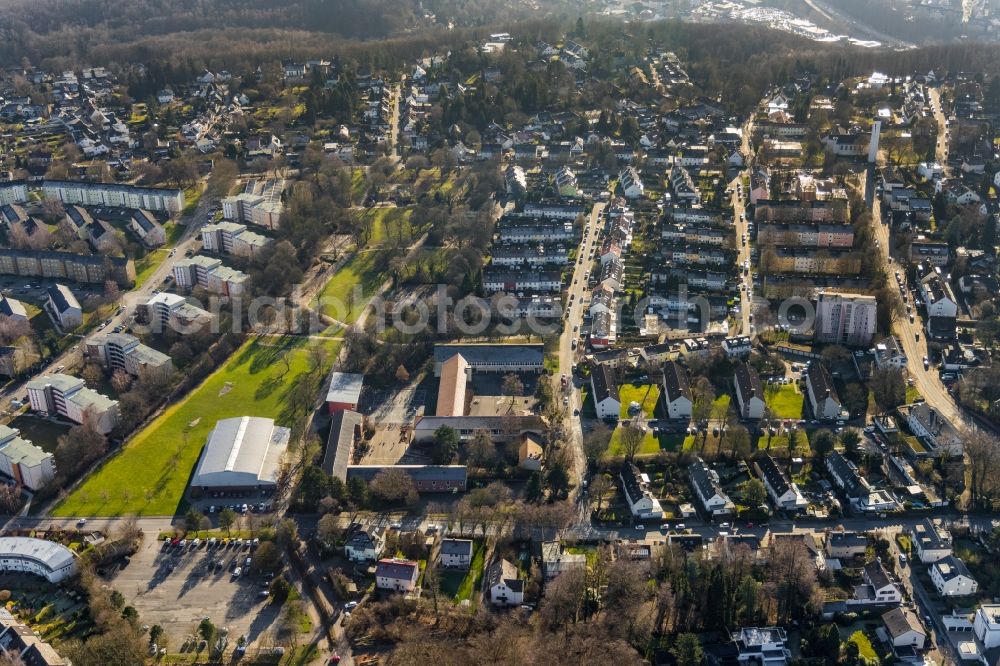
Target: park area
x=339, y=299
x=264, y=377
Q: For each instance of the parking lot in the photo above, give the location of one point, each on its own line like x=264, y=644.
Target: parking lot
x=176, y=590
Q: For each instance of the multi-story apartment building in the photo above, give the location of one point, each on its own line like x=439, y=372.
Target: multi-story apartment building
x=13, y=193
x=259, y=203
x=833, y=261
x=695, y=233
x=144, y=225
x=66, y=396
x=232, y=238
x=497, y=280
x=805, y=234
x=791, y=210
x=28, y=465
x=210, y=274
x=94, y=269
x=121, y=351
x=170, y=310
x=845, y=319
x=111, y=194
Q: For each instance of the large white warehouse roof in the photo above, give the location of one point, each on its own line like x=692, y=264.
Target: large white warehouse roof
x=244, y=451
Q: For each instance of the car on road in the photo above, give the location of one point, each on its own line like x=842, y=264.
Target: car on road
x=723, y=526
x=680, y=527
x=237, y=572
x=350, y=605
x=902, y=559
x=927, y=363
x=641, y=528
x=665, y=527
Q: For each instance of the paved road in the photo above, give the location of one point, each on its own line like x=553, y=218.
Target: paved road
x=743, y=258
x=567, y=355
x=941, y=147
x=925, y=380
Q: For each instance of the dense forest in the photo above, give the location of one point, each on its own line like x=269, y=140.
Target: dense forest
x=103, y=31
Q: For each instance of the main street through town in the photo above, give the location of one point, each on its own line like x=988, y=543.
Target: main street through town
x=568, y=348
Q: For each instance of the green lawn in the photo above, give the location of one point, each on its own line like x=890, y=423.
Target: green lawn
x=192, y=195
x=912, y=395
x=781, y=441
x=337, y=299
x=470, y=584
x=150, y=474
x=645, y=394
x=147, y=265
x=390, y=224
x=651, y=444
x=785, y=401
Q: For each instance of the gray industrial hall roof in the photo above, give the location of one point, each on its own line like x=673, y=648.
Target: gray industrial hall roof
x=49, y=553
x=243, y=451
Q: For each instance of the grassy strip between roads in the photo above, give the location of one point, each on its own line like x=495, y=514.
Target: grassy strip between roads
x=149, y=476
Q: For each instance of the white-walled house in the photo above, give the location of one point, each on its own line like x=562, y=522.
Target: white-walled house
x=365, y=544
x=986, y=625
x=952, y=578
x=904, y=629
x=506, y=589
x=397, y=575
x=456, y=553
x=676, y=391
x=604, y=390
x=884, y=589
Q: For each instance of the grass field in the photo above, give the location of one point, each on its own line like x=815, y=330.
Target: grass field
x=390, y=224
x=785, y=401
x=912, y=394
x=646, y=395
x=366, y=269
x=149, y=476
x=147, y=265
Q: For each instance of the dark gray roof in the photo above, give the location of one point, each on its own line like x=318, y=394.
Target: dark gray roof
x=951, y=567
x=702, y=477
x=822, y=383
x=345, y=424
x=675, y=381
x=603, y=380
x=749, y=382
x=846, y=471
x=773, y=475
x=62, y=298
x=631, y=483
x=477, y=354
x=457, y=547
x=876, y=575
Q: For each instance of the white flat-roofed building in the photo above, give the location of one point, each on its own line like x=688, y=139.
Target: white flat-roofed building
x=845, y=319
x=28, y=465
x=165, y=310
x=259, y=203
x=241, y=452
x=66, y=396
x=986, y=625
x=121, y=351
x=52, y=561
